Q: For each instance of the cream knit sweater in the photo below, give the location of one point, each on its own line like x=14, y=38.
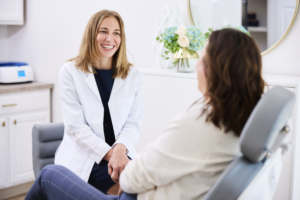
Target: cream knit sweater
x=184, y=162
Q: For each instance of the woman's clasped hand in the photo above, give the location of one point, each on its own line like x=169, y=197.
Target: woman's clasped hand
x=117, y=160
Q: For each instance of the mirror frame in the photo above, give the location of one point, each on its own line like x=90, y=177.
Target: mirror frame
x=272, y=47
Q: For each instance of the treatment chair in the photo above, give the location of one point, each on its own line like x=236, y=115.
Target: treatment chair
x=248, y=175
x=255, y=174
x=45, y=140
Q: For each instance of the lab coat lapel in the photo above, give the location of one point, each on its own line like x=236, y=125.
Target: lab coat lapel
x=91, y=82
x=117, y=85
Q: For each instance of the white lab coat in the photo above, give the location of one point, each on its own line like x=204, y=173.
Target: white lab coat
x=84, y=141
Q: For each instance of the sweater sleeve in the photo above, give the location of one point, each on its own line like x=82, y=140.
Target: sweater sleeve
x=164, y=160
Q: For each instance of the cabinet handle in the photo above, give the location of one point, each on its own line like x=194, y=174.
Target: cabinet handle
x=3, y=124
x=15, y=122
x=8, y=105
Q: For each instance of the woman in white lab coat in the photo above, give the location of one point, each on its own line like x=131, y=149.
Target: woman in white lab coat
x=101, y=95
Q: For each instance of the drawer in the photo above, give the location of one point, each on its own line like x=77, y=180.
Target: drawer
x=24, y=101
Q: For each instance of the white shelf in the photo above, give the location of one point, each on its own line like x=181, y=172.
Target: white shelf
x=167, y=72
x=257, y=29
x=271, y=79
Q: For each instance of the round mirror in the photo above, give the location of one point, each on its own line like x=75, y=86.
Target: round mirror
x=268, y=21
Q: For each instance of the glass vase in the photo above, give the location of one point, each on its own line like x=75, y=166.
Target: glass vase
x=185, y=60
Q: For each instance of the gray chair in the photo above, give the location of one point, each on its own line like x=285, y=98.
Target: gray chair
x=261, y=137
x=45, y=140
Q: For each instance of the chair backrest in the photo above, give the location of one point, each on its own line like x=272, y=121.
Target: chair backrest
x=261, y=137
x=45, y=140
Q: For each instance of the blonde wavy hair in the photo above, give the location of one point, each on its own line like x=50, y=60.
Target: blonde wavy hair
x=89, y=53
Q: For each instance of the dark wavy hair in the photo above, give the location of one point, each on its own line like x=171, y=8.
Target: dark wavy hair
x=233, y=68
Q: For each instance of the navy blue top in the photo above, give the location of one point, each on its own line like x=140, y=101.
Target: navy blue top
x=105, y=83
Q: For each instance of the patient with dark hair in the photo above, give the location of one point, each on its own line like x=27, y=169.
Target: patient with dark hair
x=197, y=144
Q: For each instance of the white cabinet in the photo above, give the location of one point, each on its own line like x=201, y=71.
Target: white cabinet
x=163, y=98
x=18, y=113
x=20, y=142
x=280, y=15
x=12, y=12
x=3, y=151
x=165, y=93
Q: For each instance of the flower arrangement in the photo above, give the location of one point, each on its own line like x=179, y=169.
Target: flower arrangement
x=191, y=38
x=174, y=38
x=184, y=42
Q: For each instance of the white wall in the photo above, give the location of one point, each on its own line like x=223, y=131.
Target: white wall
x=3, y=43
x=53, y=30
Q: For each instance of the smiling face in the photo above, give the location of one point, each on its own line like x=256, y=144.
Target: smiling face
x=200, y=67
x=108, y=37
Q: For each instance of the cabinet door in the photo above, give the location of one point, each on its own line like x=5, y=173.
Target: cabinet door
x=164, y=97
x=11, y=12
x=3, y=152
x=280, y=15
x=20, y=128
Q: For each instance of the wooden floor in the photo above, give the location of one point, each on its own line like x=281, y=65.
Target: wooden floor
x=21, y=197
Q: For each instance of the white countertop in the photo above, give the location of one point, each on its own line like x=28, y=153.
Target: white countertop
x=271, y=79
x=156, y=71
x=282, y=80
x=23, y=87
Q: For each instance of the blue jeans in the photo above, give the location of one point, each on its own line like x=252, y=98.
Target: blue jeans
x=57, y=182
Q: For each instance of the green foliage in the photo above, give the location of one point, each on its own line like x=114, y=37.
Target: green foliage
x=207, y=34
x=196, y=37
x=169, y=39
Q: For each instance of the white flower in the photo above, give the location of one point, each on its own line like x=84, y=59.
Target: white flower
x=183, y=41
x=181, y=31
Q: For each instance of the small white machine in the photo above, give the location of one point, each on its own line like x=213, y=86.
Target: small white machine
x=15, y=73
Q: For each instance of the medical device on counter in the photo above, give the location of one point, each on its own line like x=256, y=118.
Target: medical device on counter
x=15, y=72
